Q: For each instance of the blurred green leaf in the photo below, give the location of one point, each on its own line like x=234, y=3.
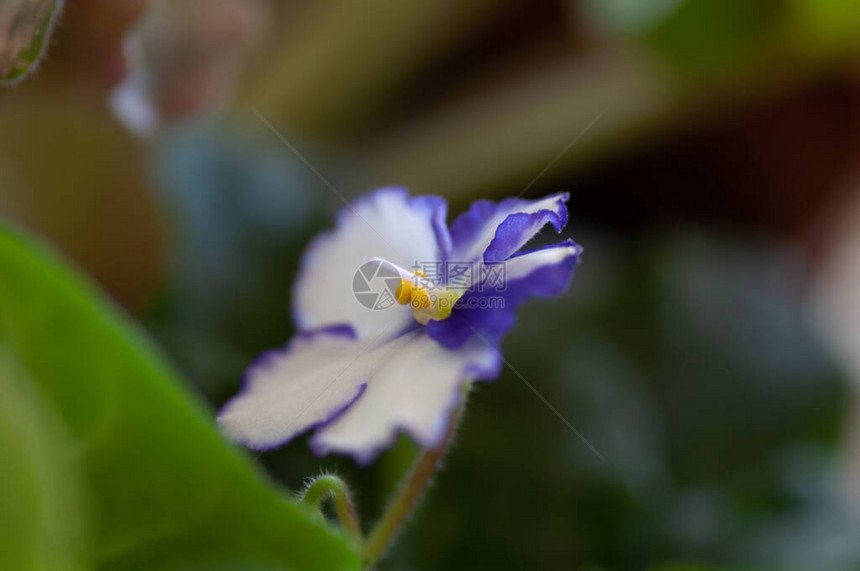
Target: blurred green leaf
x=25, y=28
x=825, y=26
x=165, y=491
x=43, y=524
x=696, y=567
x=706, y=40
x=700, y=40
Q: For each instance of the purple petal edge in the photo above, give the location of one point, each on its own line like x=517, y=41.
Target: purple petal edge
x=492, y=324
x=468, y=225
x=264, y=358
x=328, y=420
x=518, y=228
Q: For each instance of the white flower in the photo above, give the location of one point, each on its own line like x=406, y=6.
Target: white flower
x=358, y=375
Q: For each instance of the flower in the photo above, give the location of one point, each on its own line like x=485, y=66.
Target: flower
x=357, y=376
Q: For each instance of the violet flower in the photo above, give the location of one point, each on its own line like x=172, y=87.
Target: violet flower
x=358, y=373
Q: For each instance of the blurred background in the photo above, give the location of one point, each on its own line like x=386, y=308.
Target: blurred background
x=183, y=152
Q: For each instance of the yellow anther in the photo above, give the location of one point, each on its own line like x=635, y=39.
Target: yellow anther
x=428, y=303
x=444, y=303
x=420, y=298
x=404, y=292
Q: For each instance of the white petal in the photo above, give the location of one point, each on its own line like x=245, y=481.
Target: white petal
x=386, y=224
x=523, y=265
x=305, y=385
x=415, y=390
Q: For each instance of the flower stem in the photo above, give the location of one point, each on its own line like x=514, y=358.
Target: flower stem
x=410, y=493
x=330, y=485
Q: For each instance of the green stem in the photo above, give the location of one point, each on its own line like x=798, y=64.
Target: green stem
x=409, y=494
x=331, y=485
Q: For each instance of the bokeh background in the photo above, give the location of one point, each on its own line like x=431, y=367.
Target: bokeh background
x=183, y=152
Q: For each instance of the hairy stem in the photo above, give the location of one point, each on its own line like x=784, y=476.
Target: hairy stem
x=330, y=485
x=409, y=494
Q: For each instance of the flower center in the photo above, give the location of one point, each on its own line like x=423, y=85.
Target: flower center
x=427, y=300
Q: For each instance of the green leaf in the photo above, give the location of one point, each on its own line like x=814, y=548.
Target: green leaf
x=43, y=524
x=824, y=27
x=25, y=30
x=707, y=40
x=164, y=490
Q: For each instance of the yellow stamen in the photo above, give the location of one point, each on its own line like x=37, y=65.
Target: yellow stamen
x=444, y=303
x=420, y=298
x=404, y=292
x=427, y=303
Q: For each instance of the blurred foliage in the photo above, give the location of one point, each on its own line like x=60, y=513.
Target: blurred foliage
x=696, y=567
x=185, y=61
x=44, y=522
x=825, y=26
x=157, y=485
x=75, y=175
x=241, y=210
x=25, y=32
x=688, y=364
x=707, y=40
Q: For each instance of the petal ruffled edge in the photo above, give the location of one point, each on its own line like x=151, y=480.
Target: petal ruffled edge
x=544, y=272
x=264, y=363
x=492, y=231
x=436, y=205
x=518, y=228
